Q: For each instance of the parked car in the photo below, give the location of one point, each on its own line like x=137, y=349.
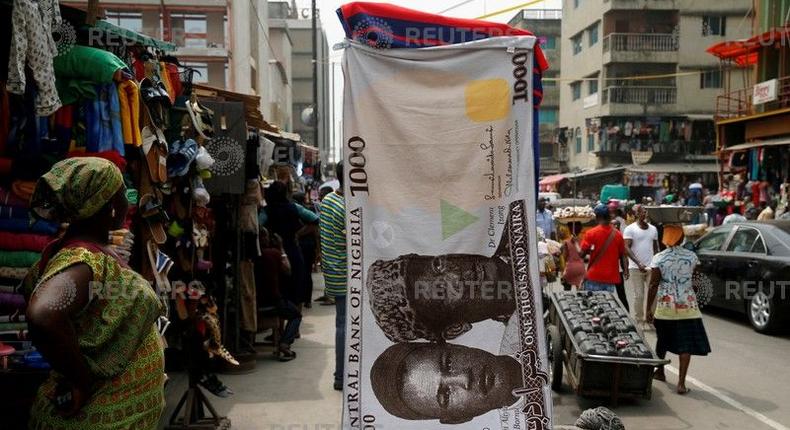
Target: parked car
x=749, y=266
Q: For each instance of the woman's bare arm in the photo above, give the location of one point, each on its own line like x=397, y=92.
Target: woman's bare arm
x=49, y=316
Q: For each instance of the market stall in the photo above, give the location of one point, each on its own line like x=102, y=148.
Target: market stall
x=191, y=158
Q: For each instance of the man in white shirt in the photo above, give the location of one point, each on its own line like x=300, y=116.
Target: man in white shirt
x=641, y=238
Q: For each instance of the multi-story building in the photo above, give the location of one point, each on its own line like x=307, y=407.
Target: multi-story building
x=298, y=23
x=753, y=116
x=228, y=43
x=545, y=23
x=637, y=89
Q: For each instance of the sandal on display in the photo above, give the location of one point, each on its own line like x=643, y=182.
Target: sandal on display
x=203, y=160
x=155, y=150
x=161, y=264
x=182, y=154
x=153, y=215
x=199, y=193
x=157, y=101
x=202, y=118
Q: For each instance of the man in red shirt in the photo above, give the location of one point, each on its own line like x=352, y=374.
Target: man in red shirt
x=607, y=251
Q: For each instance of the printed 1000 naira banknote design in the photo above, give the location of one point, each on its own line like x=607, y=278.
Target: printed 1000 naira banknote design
x=444, y=319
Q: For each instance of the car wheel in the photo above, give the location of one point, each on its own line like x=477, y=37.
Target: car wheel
x=761, y=310
x=555, y=356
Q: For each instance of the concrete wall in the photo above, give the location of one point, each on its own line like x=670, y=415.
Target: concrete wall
x=577, y=66
x=302, y=87
x=241, y=46
x=280, y=74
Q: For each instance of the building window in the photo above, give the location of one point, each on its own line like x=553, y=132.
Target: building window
x=131, y=20
x=549, y=42
x=548, y=116
x=592, y=34
x=714, y=25
x=576, y=90
x=189, y=29
x=710, y=79
x=576, y=42
x=590, y=142
x=578, y=135
x=592, y=86
x=576, y=3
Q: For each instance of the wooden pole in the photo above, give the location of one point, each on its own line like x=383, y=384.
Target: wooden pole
x=93, y=12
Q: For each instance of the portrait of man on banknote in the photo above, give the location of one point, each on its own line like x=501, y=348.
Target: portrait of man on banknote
x=446, y=382
x=438, y=298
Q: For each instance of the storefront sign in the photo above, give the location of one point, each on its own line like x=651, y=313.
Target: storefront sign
x=764, y=92
x=444, y=320
x=590, y=101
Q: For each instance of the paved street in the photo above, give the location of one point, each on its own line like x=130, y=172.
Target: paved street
x=743, y=385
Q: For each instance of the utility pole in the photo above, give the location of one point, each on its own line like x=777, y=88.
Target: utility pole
x=332, y=140
x=315, y=77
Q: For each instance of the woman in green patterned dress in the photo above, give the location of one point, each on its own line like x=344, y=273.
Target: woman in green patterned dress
x=90, y=316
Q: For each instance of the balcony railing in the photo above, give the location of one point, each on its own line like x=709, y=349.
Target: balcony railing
x=541, y=13
x=640, y=95
x=650, y=42
x=739, y=102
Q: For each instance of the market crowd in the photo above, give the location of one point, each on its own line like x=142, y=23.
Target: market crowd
x=625, y=254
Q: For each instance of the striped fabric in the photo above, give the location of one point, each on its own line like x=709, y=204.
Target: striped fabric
x=333, y=243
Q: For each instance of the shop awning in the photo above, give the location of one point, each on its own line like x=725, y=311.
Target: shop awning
x=744, y=51
x=750, y=145
x=551, y=180
x=674, y=168
x=128, y=35
x=596, y=172
x=251, y=102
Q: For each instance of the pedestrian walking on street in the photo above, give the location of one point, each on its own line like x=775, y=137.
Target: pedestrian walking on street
x=272, y=267
x=623, y=267
x=641, y=238
x=332, y=221
x=573, y=275
x=677, y=315
x=289, y=220
x=308, y=244
x=606, y=248
x=545, y=219
x=616, y=214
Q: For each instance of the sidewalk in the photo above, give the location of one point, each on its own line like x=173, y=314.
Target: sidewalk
x=296, y=395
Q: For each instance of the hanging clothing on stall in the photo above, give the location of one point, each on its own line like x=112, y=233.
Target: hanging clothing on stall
x=32, y=45
x=103, y=119
x=129, y=98
x=82, y=68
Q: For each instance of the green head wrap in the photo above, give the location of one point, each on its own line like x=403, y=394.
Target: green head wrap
x=75, y=189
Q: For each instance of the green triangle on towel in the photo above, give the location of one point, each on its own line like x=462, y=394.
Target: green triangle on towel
x=455, y=219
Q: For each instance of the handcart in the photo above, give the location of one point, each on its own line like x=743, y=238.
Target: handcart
x=596, y=375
